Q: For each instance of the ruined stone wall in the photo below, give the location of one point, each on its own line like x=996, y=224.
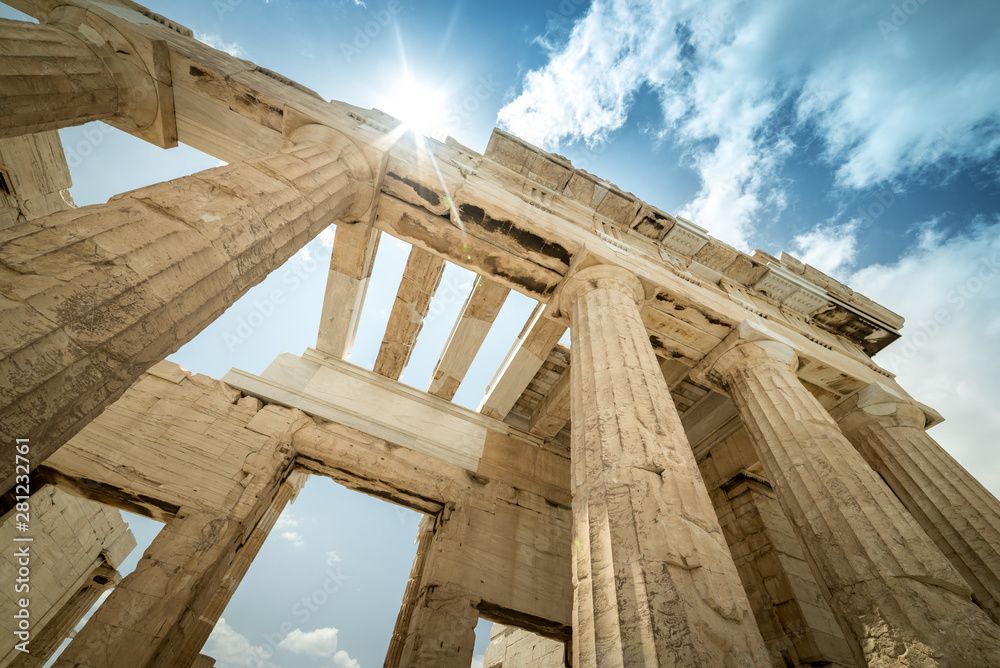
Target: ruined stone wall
x=794, y=617
x=73, y=541
x=512, y=647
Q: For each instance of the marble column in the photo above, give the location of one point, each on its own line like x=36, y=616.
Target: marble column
x=956, y=511
x=424, y=536
x=442, y=627
x=95, y=296
x=892, y=587
x=654, y=580
x=161, y=614
x=50, y=79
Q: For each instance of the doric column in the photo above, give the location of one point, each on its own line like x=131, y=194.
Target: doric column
x=654, y=581
x=128, y=630
x=163, y=612
x=77, y=68
x=889, y=583
x=95, y=296
x=955, y=510
x=442, y=629
x=399, y=632
x=50, y=79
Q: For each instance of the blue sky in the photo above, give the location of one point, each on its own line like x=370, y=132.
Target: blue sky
x=861, y=137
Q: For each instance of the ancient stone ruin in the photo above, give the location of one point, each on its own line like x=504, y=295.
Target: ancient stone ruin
x=714, y=473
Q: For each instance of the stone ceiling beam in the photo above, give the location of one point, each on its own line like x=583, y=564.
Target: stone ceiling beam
x=553, y=411
x=539, y=336
x=340, y=392
x=351, y=263
x=471, y=328
x=420, y=280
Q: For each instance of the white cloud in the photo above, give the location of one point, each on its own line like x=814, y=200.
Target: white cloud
x=829, y=248
x=477, y=661
x=321, y=642
x=738, y=80
x=285, y=527
x=216, y=42
x=948, y=289
x=231, y=649
x=342, y=660
x=293, y=537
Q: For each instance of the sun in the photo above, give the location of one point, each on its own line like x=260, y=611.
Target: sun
x=421, y=108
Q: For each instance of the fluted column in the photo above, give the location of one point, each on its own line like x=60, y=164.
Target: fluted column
x=130, y=628
x=441, y=632
x=50, y=79
x=955, y=510
x=95, y=296
x=654, y=581
x=410, y=596
x=890, y=584
x=161, y=614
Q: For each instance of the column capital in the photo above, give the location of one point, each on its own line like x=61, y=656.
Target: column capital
x=140, y=68
x=348, y=154
x=600, y=276
x=881, y=403
x=750, y=343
